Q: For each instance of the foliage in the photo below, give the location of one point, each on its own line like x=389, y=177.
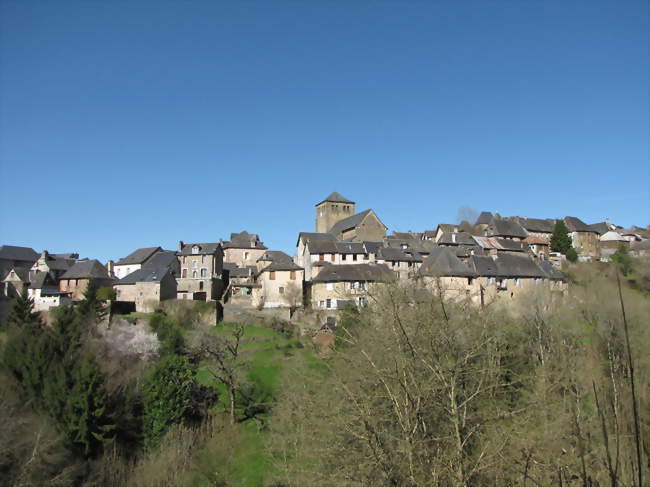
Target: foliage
x=170, y=334
x=91, y=306
x=106, y=293
x=572, y=255
x=623, y=258
x=560, y=239
x=22, y=313
x=167, y=395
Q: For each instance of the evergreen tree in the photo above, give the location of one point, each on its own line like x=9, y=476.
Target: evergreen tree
x=91, y=305
x=560, y=239
x=167, y=395
x=22, y=313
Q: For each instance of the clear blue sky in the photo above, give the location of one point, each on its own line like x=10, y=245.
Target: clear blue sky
x=126, y=124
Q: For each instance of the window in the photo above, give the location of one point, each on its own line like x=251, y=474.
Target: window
x=184, y=259
x=365, y=256
x=195, y=274
x=362, y=302
x=292, y=275
x=281, y=290
x=204, y=272
x=344, y=257
x=328, y=303
x=202, y=258
x=246, y=255
x=184, y=273
x=195, y=264
x=321, y=257
x=321, y=304
x=195, y=249
x=332, y=258
x=469, y=281
x=272, y=275
x=354, y=257
x=200, y=285
x=517, y=282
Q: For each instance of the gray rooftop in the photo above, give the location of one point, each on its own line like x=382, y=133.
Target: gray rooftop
x=204, y=248
x=511, y=265
x=349, y=222
x=86, y=269
x=484, y=218
x=507, y=228
x=336, y=198
x=146, y=274
x=138, y=256
x=483, y=266
x=577, y=225
x=354, y=272
x=12, y=252
x=444, y=262
x=244, y=240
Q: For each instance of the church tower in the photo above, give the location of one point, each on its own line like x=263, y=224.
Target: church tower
x=331, y=210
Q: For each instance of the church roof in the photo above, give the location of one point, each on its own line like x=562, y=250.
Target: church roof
x=336, y=198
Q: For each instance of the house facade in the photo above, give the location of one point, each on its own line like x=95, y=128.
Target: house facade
x=201, y=269
x=76, y=279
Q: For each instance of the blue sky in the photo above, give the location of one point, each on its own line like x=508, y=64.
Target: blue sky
x=128, y=124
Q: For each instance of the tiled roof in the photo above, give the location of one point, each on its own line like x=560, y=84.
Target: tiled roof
x=12, y=252
x=138, y=256
x=336, y=198
x=444, y=262
x=354, y=272
x=204, y=248
x=86, y=269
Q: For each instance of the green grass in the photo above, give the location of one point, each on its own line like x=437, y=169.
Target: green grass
x=265, y=353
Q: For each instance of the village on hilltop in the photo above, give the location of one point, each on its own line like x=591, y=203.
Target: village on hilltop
x=335, y=266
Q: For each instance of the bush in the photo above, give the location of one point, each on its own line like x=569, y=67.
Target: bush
x=106, y=294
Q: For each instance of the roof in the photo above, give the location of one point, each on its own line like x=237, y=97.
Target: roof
x=336, y=198
x=351, y=222
x=372, y=247
x=446, y=227
x=12, y=252
x=394, y=255
x=282, y=265
x=350, y=248
x=457, y=238
x=246, y=271
x=275, y=256
x=138, y=256
x=444, y=262
x=21, y=272
x=577, y=225
x=204, y=248
x=164, y=258
x=307, y=237
x=484, y=218
x=68, y=256
x=532, y=240
x=537, y=225
x=354, y=272
x=405, y=235
x=551, y=271
x=86, y=269
x=322, y=246
x=146, y=274
x=600, y=228
x=501, y=244
x=511, y=265
x=483, y=266
x=612, y=236
x=244, y=240
x=507, y=228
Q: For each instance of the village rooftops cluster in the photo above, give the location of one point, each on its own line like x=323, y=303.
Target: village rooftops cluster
x=335, y=266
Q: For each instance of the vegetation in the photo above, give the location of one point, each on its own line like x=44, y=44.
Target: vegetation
x=561, y=241
x=541, y=390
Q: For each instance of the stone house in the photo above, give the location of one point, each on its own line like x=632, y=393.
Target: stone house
x=443, y=228
x=336, y=286
x=239, y=283
x=585, y=239
x=13, y=256
x=516, y=274
x=15, y=282
x=75, y=280
x=537, y=227
x=539, y=247
x=280, y=280
x=496, y=246
x=243, y=249
x=557, y=281
x=640, y=249
x=305, y=256
x=134, y=261
x=201, y=269
x=445, y=275
x=402, y=264
x=146, y=288
x=610, y=242
x=44, y=291
x=360, y=227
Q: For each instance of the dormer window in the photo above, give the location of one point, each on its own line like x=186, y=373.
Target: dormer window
x=195, y=249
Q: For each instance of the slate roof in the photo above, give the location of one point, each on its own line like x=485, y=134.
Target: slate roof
x=507, y=228
x=349, y=222
x=483, y=266
x=354, y=272
x=372, y=247
x=484, y=218
x=282, y=265
x=322, y=246
x=511, y=265
x=164, y=258
x=612, y=236
x=12, y=252
x=501, y=244
x=138, y=256
x=444, y=262
x=86, y=269
x=600, y=228
x=21, y=272
x=275, y=256
x=307, y=237
x=458, y=238
x=60, y=264
x=551, y=271
x=244, y=240
x=394, y=255
x=446, y=227
x=336, y=198
x=234, y=271
x=204, y=248
x=405, y=235
x=577, y=225
x=350, y=248
x=145, y=274
x=41, y=279
x=69, y=256
x=537, y=225
x=532, y=240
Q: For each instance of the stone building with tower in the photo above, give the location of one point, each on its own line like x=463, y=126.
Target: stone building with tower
x=336, y=215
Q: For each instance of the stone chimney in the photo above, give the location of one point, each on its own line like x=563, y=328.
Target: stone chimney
x=181, y=244
x=110, y=267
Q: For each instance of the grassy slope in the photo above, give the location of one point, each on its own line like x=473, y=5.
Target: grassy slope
x=265, y=353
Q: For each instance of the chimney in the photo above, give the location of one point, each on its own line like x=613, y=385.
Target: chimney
x=110, y=266
x=453, y=237
x=181, y=244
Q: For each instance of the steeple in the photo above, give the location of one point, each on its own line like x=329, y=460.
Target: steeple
x=331, y=210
